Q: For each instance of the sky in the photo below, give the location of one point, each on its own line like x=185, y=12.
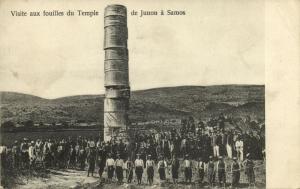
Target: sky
x=215, y=42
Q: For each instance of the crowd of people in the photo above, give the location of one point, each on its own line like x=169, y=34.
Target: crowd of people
x=200, y=149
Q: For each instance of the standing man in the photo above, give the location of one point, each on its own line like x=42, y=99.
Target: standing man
x=175, y=168
x=129, y=170
x=72, y=157
x=150, y=169
x=224, y=143
x=235, y=138
x=200, y=167
x=211, y=171
x=91, y=157
x=60, y=154
x=139, y=168
x=82, y=157
x=221, y=168
x=31, y=153
x=235, y=170
x=229, y=143
x=110, y=162
x=101, y=160
x=3, y=158
x=214, y=144
x=16, y=155
x=187, y=169
x=119, y=169
x=38, y=151
x=162, y=165
x=24, y=153
x=249, y=170
x=219, y=144
x=47, y=155
x=207, y=150
x=239, y=145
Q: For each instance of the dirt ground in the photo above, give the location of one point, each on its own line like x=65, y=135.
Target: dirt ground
x=74, y=179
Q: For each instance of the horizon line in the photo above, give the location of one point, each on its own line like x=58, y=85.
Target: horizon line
x=133, y=90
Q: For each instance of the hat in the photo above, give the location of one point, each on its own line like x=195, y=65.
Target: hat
x=32, y=142
x=149, y=155
x=220, y=157
x=210, y=157
x=234, y=158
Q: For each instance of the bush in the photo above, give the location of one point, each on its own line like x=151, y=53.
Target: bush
x=8, y=124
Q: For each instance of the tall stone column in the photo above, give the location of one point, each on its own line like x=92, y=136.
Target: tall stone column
x=116, y=82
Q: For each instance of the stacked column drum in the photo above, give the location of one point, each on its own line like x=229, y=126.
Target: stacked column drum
x=117, y=90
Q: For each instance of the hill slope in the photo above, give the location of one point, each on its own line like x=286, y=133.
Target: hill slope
x=158, y=103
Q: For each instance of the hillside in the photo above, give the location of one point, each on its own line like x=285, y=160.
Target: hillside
x=157, y=104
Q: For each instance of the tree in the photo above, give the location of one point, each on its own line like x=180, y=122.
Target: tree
x=41, y=124
x=28, y=123
x=65, y=124
x=8, y=124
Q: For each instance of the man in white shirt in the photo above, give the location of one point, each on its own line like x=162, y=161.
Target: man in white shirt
x=187, y=163
x=157, y=137
x=31, y=153
x=239, y=144
x=119, y=168
x=110, y=163
x=150, y=169
x=38, y=150
x=139, y=168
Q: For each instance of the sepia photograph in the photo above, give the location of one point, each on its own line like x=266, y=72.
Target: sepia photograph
x=133, y=94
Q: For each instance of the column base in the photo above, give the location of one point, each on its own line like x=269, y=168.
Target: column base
x=115, y=133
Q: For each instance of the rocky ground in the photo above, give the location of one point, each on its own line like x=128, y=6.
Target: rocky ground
x=62, y=179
